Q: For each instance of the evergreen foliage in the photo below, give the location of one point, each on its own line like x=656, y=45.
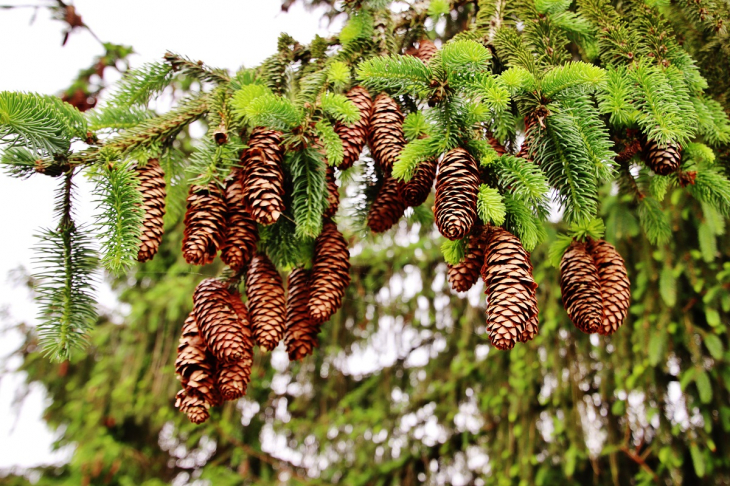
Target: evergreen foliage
x=555, y=100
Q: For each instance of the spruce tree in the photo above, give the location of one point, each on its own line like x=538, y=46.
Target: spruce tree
x=610, y=115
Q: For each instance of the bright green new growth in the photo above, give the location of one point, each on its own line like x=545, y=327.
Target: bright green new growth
x=454, y=251
x=119, y=223
x=490, y=206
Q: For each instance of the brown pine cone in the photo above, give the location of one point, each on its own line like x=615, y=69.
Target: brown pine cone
x=193, y=405
x=615, y=285
x=386, y=132
x=465, y=274
x=416, y=190
x=581, y=288
x=205, y=224
x=220, y=326
x=193, y=361
x=388, y=206
x=457, y=187
x=333, y=193
x=354, y=136
x=510, y=287
x=301, y=330
x=152, y=187
x=426, y=50
x=263, y=177
x=266, y=301
x=330, y=273
x=241, y=230
x=233, y=378
x=662, y=159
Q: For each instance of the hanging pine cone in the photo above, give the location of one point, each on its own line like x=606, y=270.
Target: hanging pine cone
x=301, y=330
x=354, y=136
x=510, y=288
x=465, y=274
x=615, y=285
x=220, y=326
x=386, y=132
x=333, y=193
x=263, y=177
x=195, y=368
x=662, y=159
x=426, y=50
x=205, y=223
x=330, y=273
x=241, y=230
x=457, y=187
x=416, y=190
x=266, y=301
x=581, y=288
x=388, y=206
x=193, y=405
x=233, y=378
x=194, y=365
x=152, y=187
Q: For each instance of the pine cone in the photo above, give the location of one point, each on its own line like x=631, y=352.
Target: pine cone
x=152, y=187
x=266, y=301
x=615, y=285
x=330, y=273
x=241, y=230
x=457, y=187
x=193, y=361
x=388, y=206
x=510, y=288
x=205, y=223
x=354, y=136
x=191, y=403
x=263, y=177
x=386, y=132
x=426, y=50
x=333, y=193
x=301, y=330
x=233, y=378
x=465, y=274
x=220, y=326
x=662, y=159
x=416, y=191
x=581, y=288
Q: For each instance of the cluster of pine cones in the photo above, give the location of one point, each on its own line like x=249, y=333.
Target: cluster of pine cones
x=216, y=348
x=595, y=286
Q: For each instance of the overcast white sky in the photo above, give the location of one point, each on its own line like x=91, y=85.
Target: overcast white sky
x=223, y=33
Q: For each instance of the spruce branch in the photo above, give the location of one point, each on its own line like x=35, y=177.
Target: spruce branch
x=454, y=251
x=413, y=154
x=339, y=107
x=119, y=221
x=523, y=223
x=244, y=96
x=465, y=56
x=19, y=162
x=330, y=141
x=196, y=69
x=525, y=181
x=711, y=187
x=490, y=206
x=40, y=123
x=307, y=169
x=282, y=244
x=572, y=75
x=65, y=264
x=275, y=112
x=395, y=74
x=115, y=117
x=139, y=86
x=160, y=129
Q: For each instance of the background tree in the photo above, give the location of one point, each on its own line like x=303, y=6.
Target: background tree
x=405, y=387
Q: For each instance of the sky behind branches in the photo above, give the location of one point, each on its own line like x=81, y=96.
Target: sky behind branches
x=222, y=33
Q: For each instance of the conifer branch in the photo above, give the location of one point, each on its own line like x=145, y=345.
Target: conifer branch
x=120, y=219
x=138, y=86
x=198, y=70
x=65, y=266
x=308, y=195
